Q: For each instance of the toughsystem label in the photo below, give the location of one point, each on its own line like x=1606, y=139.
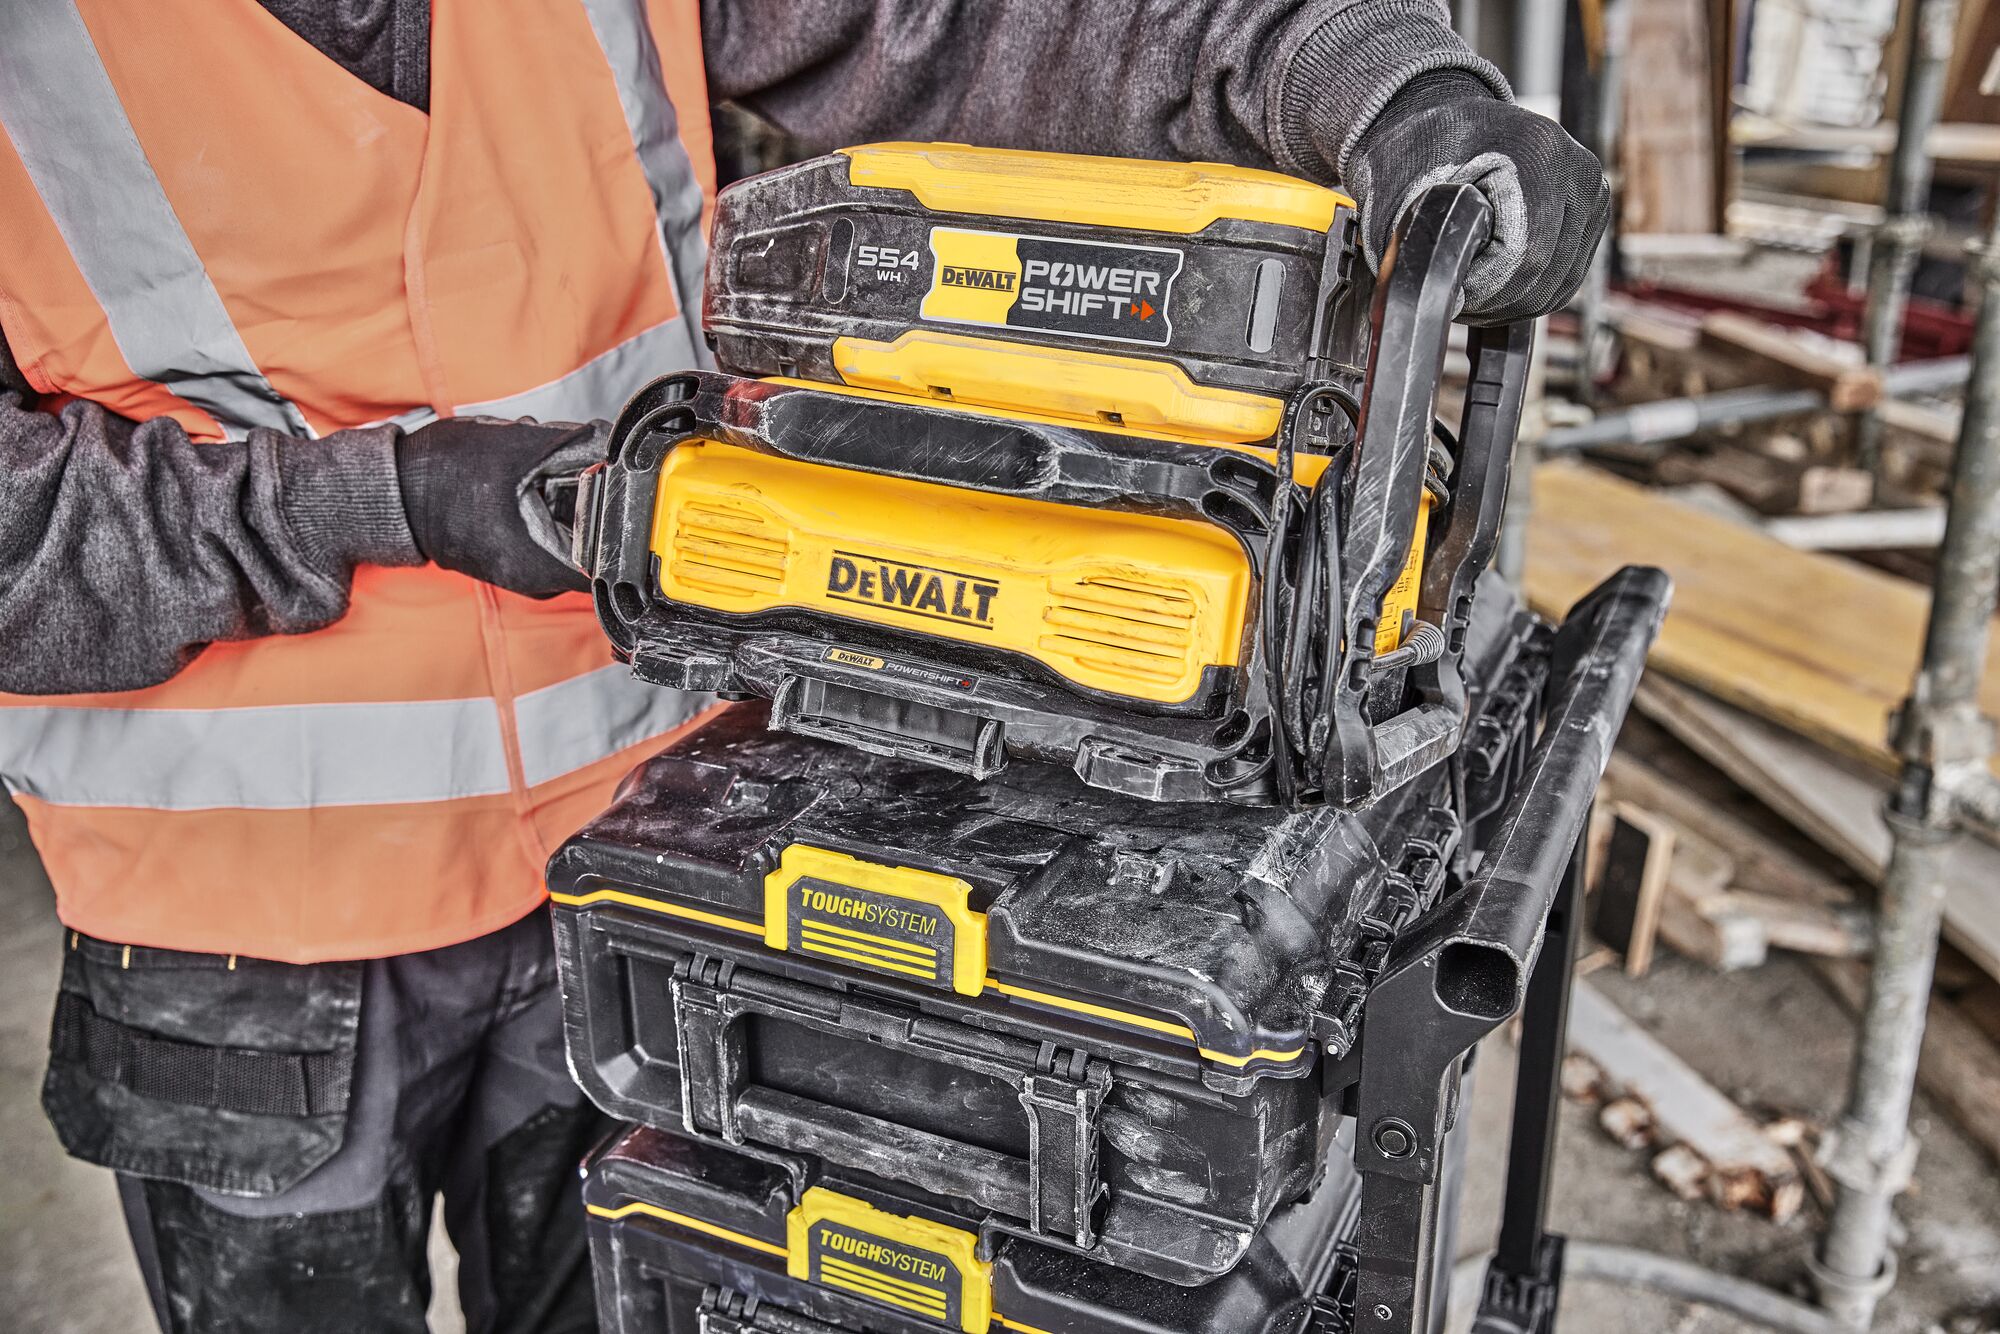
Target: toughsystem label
x=1092, y=289
x=928, y=591
x=909, y=1277
x=900, y=921
x=869, y=930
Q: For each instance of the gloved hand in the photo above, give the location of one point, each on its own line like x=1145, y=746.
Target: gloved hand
x=472, y=493
x=1550, y=200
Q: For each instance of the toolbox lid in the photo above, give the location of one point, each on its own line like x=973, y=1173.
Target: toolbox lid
x=1215, y=929
x=853, y=1240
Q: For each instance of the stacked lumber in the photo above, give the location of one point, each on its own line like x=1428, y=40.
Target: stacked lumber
x=1775, y=676
x=1819, y=645
x=1799, y=466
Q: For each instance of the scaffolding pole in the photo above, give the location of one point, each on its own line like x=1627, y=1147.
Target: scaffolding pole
x=1899, y=240
x=1945, y=746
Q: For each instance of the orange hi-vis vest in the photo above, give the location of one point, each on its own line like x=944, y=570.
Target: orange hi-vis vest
x=206, y=218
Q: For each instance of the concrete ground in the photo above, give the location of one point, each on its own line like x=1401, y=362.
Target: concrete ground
x=1772, y=1037
x=1775, y=1040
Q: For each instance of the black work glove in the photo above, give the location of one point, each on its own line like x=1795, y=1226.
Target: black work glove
x=1550, y=200
x=472, y=493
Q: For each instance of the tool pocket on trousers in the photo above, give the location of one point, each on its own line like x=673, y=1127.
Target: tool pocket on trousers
x=229, y=1074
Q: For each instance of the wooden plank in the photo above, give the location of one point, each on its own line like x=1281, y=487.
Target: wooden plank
x=1937, y=425
x=1790, y=358
x=1803, y=928
x=1836, y=806
x=1686, y=1108
x=1709, y=914
x=1666, y=143
x=1694, y=923
x=1699, y=874
x=1974, y=81
x=1949, y=141
x=1958, y=1067
x=1632, y=885
x=1762, y=865
x=1818, y=644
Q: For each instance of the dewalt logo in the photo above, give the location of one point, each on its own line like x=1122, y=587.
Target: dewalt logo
x=915, y=590
x=983, y=280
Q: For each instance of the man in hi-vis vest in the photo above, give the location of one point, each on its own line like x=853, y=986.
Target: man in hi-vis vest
x=299, y=705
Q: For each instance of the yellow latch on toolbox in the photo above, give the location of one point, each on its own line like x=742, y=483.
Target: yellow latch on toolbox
x=913, y=1264
x=905, y=922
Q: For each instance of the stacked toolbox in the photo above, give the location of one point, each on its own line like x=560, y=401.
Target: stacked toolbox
x=1002, y=1043
x=1107, y=1034
x=692, y=1237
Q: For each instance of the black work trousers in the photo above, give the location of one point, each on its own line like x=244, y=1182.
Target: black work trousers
x=457, y=1086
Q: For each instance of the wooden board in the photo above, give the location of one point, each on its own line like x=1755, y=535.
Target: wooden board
x=1632, y=886
x=1666, y=141
x=1790, y=358
x=1838, y=807
x=1973, y=56
x=1819, y=644
x=1949, y=141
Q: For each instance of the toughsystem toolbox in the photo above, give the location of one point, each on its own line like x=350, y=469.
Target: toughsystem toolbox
x=1122, y=466
x=1112, y=1023
x=1139, y=803
x=673, y=1233
x=694, y=1238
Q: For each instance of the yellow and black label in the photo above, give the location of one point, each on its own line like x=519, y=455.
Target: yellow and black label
x=1089, y=289
x=896, y=667
x=927, y=591
x=902, y=921
x=912, y=1264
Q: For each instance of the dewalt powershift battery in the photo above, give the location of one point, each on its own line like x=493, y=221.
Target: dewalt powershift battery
x=694, y=1238
x=1182, y=299
x=1093, y=462
x=1105, y=1021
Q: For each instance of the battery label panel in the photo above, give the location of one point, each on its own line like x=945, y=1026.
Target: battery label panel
x=1089, y=289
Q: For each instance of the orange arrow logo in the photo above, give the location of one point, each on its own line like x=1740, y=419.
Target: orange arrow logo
x=1145, y=309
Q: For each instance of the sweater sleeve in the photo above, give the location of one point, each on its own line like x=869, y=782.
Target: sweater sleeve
x=1288, y=84
x=125, y=548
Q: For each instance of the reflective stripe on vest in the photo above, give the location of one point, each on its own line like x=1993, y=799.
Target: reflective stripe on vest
x=622, y=31
x=296, y=757
x=58, y=107
x=600, y=386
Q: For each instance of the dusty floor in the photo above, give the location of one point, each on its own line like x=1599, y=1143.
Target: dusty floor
x=1772, y=1037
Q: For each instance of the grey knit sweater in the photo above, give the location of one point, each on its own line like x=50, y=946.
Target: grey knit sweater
x=125, y=549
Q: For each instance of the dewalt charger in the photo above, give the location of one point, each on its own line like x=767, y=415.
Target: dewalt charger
x=1099, y=462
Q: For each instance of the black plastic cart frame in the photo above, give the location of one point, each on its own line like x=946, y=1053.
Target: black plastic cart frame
x=1503, y=942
